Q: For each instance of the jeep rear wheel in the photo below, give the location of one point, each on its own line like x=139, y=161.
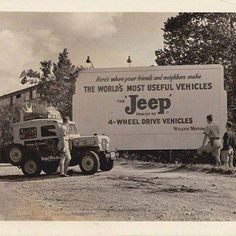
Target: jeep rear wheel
x=15, y=154
x=31, y=167
x=89, y=163
x=106, y=165
x=50, y=167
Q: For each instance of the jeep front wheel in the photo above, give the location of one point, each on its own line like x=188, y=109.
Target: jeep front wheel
x=106, y=165
x=31, y=167
x=50, y=167
x=89, y=163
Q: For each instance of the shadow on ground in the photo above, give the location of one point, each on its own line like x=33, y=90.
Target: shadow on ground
x=160, y=167
x=22, y=178
x=166, y=168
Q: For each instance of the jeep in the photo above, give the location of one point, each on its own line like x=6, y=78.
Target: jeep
x=35, y=148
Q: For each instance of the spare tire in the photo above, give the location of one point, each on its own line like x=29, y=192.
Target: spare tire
x=15, y=154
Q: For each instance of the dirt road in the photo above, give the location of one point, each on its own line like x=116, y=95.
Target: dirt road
x=131, y=191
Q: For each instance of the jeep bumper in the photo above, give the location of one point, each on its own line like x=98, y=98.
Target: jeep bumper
x=112, y=155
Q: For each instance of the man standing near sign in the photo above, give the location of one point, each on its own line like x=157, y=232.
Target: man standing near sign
x=227, y=153
x=212, y=132
x=63, y=146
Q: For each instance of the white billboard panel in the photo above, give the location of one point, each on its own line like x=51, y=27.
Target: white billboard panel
x=162, y=107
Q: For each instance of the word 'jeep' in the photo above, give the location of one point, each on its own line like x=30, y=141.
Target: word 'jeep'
x=35, y=148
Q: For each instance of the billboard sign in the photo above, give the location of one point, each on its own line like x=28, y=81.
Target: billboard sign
x=162, y=107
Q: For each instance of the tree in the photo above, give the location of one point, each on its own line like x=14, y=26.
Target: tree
x=202, y=38
x=56, y=82
x=8, y=115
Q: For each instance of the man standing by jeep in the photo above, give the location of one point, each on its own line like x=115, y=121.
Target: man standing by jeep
x=64, y=148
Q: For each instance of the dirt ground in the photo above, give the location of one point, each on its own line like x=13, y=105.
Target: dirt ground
x=132, y=191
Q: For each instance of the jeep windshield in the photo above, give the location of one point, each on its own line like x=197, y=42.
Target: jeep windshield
x=73, y=129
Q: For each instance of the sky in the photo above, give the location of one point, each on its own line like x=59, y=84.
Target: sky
x=26, y=38
x=32, y=31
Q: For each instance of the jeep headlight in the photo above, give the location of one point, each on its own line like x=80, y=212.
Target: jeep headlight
x=105, y=144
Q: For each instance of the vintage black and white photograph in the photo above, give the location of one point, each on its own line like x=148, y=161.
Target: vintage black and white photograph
x=118, y=116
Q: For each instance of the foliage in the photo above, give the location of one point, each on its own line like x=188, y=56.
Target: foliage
x=202, y=38
x=55, y=82
x=8, y=115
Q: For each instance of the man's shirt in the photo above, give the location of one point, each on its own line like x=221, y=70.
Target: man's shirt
x=212, y=131
x=228, y=140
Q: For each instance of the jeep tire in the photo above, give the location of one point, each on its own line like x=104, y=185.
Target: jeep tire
x=89, y=163
x=50, y=167
x=106, y=165
x=15, y=154
x=31, y=167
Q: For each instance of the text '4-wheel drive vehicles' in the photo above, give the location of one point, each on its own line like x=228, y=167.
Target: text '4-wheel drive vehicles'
x=35, y=148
